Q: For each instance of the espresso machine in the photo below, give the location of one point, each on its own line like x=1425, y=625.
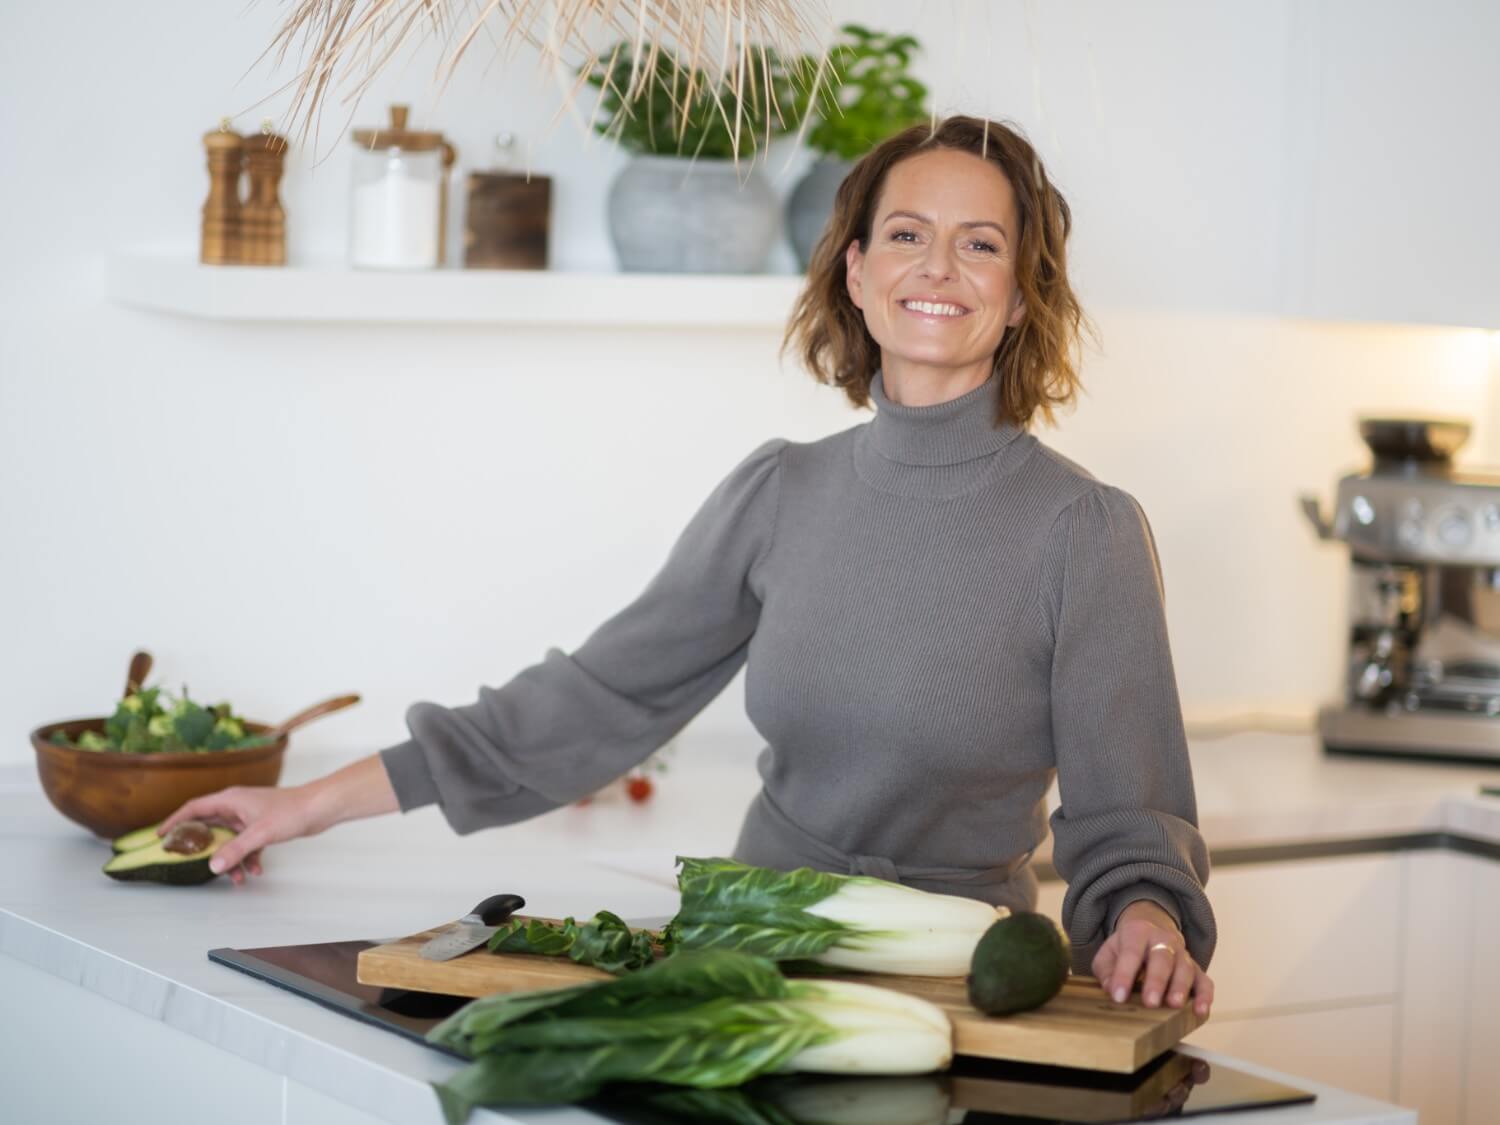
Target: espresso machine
x=1423, y=670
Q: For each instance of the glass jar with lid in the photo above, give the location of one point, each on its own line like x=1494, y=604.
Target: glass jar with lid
x=398, y=214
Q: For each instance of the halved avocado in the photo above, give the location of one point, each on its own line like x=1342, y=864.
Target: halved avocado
x=179, y=858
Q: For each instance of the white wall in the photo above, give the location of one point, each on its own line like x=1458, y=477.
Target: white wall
x=284, y=513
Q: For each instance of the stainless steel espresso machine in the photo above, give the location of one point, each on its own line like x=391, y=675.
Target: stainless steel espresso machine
x=1424, y=599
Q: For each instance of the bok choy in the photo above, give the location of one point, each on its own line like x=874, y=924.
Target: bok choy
x=706, y=1019
x=838, y=921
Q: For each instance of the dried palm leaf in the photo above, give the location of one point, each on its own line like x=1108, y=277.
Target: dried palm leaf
x=346, y=44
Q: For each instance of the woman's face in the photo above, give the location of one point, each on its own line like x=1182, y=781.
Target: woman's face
x=937, y=282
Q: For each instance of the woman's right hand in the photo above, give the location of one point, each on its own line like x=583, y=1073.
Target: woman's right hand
x=264, y=815
x=261, y=815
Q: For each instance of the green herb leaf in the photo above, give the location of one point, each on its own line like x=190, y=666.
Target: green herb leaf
x=605, y=941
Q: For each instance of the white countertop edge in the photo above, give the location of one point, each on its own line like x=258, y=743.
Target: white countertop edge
x=387, y=1076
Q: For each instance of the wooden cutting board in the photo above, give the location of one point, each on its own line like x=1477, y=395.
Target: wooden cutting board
x=1079, y=1027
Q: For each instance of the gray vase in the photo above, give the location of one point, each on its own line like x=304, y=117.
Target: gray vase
x=671, y=214
x=811, y=205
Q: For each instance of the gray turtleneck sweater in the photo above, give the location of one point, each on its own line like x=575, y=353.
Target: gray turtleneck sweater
x=937, y=617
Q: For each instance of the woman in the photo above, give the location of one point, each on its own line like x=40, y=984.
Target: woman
x=938, y=613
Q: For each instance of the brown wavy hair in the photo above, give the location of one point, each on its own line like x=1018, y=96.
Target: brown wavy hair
x=1037, y=361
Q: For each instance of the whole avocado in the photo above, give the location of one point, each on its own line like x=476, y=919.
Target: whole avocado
x=1020, y=963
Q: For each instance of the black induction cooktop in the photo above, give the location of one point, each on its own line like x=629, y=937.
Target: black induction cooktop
x=973, y=1091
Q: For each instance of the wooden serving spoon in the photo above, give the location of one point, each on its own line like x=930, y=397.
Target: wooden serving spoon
x=316, y=711
x=140, y=668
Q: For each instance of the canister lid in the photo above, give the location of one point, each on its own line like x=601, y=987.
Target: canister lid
x=398, y=135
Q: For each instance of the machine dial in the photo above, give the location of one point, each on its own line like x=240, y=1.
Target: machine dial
x=1455, y=528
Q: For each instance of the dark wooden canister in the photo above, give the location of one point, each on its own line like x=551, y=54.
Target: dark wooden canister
x=506, y=221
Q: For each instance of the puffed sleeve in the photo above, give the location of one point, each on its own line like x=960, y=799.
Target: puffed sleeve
x=1127, y=826
x=572, y=723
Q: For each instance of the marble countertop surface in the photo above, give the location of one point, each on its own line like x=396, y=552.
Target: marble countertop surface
x=144, y=946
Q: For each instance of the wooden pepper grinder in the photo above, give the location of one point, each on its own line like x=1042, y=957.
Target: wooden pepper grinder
x=263, y=226
x=220, y=240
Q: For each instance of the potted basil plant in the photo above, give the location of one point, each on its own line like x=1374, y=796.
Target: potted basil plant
x=691, y=199
x=867, y=96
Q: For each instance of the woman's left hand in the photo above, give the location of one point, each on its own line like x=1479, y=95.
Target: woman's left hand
x=1147, y=938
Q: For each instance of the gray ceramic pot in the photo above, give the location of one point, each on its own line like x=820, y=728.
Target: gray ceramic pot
x=811, y=205
x=670, y=214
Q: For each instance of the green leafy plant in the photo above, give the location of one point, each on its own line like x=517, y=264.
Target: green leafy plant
x=657, y=106
x=868, y=94
x=706, y=1020
x=141, y=724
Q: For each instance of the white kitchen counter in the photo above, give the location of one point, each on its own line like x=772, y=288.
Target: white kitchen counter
x=138, y=951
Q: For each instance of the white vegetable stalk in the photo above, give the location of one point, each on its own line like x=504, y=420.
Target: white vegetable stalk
x=878, y=1031
x=900, y=929
x=843, y=921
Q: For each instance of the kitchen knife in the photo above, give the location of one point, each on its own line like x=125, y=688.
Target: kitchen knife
x=473, y=929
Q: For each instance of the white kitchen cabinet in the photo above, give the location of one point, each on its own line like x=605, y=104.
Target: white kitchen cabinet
x=1436, y=982
x=1306, y=933
x=1482, y=1058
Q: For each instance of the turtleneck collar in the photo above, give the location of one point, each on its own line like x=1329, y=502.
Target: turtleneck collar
x=949, y=433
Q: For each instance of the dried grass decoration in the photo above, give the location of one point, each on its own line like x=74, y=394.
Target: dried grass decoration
x=723, y=52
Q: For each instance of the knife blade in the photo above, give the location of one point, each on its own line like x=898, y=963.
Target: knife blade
x=473, y=929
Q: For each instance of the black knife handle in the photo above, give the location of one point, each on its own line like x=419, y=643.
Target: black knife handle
x=497, y=908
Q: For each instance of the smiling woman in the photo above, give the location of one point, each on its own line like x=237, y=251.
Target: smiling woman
x=938, y=615
x=948, y=246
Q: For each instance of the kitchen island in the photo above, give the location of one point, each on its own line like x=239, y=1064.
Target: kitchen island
x=114, y=1012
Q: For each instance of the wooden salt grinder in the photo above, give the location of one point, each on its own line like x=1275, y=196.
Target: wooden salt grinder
x=263, y=227
x=220, y=240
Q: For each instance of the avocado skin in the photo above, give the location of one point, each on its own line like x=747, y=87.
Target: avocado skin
x=1020, y=963
x=151, y=863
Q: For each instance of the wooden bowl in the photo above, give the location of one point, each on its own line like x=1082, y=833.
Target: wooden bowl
x=111, y=794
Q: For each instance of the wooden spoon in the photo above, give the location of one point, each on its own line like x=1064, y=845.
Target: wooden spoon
x=140, y=668
x=316, y=711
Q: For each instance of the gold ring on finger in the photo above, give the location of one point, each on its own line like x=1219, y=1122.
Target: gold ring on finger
x=1161, y=945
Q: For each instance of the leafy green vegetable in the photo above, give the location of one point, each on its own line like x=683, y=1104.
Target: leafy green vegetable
x=851, y=922
x=604, y=941
x=142, y=724
x=706, y=1019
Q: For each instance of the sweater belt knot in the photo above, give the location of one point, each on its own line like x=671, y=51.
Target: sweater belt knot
x=825, y=857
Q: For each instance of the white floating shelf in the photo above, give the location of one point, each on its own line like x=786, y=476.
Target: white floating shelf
x=523, y=298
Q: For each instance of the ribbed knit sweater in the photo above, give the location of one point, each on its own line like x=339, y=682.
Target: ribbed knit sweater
x=939, y=616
